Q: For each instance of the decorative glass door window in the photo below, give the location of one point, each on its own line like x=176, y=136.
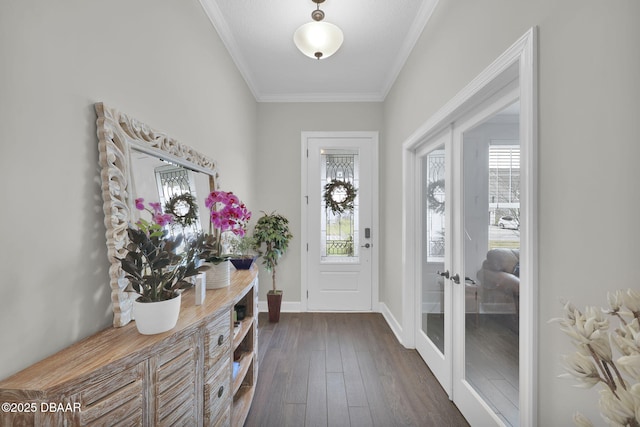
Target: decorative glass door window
x=174, y=181
x=339, y=230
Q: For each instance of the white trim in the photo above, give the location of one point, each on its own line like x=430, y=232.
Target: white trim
x=415, y=30
x=285, y=307
x=519, y=61
x=410, y=241
x=375, y=221
x=216, y=17
x=393, y=323
x=322, y=97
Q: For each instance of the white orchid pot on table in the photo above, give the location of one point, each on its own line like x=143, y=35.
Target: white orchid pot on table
x=156, y=271
x=594, y=361
x=227, y=215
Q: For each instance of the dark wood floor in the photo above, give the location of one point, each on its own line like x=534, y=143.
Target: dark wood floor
x=343, y=369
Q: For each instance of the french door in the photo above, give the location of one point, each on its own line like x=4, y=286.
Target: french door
x=468, y=180
x=433, y=340
x=341, y=249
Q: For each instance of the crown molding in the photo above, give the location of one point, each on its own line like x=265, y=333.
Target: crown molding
x=419, y=23
x=322, y=97
x=220, y=24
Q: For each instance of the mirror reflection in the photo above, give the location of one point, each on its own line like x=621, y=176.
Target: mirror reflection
x=178, y=189
x=139, y=162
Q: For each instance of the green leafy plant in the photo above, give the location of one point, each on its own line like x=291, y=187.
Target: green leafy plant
x=272, y=231
x=243, y=247
x=153, y=267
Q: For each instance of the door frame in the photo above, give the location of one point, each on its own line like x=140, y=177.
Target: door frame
x=304, y=223
x=518, y=62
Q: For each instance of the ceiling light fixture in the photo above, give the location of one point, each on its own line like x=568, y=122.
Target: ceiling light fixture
x=318, y=39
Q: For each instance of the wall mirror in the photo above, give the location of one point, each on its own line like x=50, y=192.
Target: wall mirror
x=138, y=161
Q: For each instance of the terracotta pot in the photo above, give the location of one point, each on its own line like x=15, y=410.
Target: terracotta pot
x=274, y=301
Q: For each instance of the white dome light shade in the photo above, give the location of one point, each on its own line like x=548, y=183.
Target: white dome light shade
x=318, y=39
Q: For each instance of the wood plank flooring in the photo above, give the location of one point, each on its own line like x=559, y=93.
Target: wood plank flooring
x=343, y=369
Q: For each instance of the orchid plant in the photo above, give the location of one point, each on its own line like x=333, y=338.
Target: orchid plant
x=152, y=266
x=594, y=361
x=227, y=214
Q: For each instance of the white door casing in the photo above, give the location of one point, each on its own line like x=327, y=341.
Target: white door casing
x=345, y=282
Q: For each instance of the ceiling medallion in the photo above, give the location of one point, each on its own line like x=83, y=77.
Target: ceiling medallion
x=318, y=39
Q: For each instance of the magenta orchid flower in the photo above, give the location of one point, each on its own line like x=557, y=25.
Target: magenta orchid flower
x=140, y=203
x=157, y=216
x=227, y=212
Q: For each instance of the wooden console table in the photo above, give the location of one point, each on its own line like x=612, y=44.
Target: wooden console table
x=119, y=377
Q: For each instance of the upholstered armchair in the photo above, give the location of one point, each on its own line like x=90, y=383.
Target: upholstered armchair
x=501, y=271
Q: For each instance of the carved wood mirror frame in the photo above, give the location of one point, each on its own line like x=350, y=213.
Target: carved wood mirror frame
x=118, y=135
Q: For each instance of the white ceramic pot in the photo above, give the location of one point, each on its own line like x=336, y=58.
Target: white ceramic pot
x=156, y=317
x=219, y=275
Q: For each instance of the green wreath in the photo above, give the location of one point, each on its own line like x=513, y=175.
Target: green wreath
x=433, y=203
x=339, y=196
x=184, y=209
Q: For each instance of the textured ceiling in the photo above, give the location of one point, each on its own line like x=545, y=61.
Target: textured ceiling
x=378, y=37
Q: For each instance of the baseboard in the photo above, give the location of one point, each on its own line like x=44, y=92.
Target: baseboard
x=296, y=307
x=395, y=326
x=285, y=307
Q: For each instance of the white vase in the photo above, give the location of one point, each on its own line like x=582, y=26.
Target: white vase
x=156, y=317
x=219, y=275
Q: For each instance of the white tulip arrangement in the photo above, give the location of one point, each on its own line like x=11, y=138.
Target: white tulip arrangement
x=594, y=361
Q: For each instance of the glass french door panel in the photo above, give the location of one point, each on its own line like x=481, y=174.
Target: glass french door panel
x=433, y=246
x=491, y=189
x=340, y=237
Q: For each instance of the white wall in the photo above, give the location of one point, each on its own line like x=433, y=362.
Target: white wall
x=279, y=169
x=160, y=61
x=589, y=104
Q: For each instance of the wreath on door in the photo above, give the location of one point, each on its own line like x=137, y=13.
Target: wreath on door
x=432, y=202
x=339, y=196
x=184, y=209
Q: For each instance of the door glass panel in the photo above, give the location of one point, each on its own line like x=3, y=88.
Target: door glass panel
x=339, y=230
x=491, y=200
x=433, y=246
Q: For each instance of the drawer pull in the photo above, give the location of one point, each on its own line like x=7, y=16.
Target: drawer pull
x=220, y=339
x=220, y=391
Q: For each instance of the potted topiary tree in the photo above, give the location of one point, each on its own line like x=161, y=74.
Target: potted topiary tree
x=272, y=231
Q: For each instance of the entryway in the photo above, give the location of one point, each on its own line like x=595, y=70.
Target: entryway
x=342, y=370
x=339, y=221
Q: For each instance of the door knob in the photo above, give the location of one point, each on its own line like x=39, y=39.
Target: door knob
x=455, y=278
x=366, y=245
x=445, y=274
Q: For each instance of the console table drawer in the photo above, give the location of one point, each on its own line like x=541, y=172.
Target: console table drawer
x=217, y=340
x=217, y=392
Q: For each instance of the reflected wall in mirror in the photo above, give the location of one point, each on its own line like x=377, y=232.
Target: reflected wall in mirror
x=140, y=162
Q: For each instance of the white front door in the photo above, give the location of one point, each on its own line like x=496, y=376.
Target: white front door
x=341, y=251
